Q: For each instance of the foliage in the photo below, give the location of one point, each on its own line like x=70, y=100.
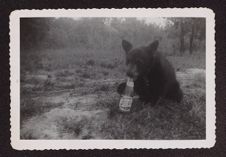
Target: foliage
x=192, y=29
x=178, y=34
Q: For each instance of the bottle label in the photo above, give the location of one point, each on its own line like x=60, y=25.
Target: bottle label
x=125, y=103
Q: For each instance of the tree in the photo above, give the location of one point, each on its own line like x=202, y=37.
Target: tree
x=192, y=36
x=188, y=28
x=182, y=34
x=33, y=31
x=197, y=31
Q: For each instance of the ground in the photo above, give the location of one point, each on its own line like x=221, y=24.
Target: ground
x=71, y=94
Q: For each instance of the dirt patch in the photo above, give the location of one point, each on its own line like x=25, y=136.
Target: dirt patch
x=93, y=114
x=62, y=123
x=71, y=120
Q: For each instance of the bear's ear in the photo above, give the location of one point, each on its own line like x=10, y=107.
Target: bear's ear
x=153, y=46
x=127, y=46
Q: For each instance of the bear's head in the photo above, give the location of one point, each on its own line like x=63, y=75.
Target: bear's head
x=139, y=60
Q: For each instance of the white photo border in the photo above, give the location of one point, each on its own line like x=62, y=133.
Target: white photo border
x=19, y=144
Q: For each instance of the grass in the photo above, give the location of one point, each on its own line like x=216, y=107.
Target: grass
x=184, y=62
x=166, y=121
x=84, y=72
x=30, y=108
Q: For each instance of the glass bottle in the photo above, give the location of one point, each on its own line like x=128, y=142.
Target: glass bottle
x=126, y=100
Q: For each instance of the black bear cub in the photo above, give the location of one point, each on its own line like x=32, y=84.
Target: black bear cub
x=153, y=75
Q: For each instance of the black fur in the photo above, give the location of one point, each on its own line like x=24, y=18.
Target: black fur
x=154, y=77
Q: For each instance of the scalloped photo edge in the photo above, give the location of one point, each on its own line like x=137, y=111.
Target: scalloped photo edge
x=46, y=144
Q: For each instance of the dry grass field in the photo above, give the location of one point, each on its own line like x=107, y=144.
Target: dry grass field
x=71, y=94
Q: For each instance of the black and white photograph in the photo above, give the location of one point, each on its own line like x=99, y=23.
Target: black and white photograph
x=116, y=77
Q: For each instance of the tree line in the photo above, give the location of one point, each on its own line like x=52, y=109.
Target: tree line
x=177, y=36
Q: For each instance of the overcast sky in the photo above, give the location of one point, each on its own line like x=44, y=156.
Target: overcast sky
x=159, y=21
